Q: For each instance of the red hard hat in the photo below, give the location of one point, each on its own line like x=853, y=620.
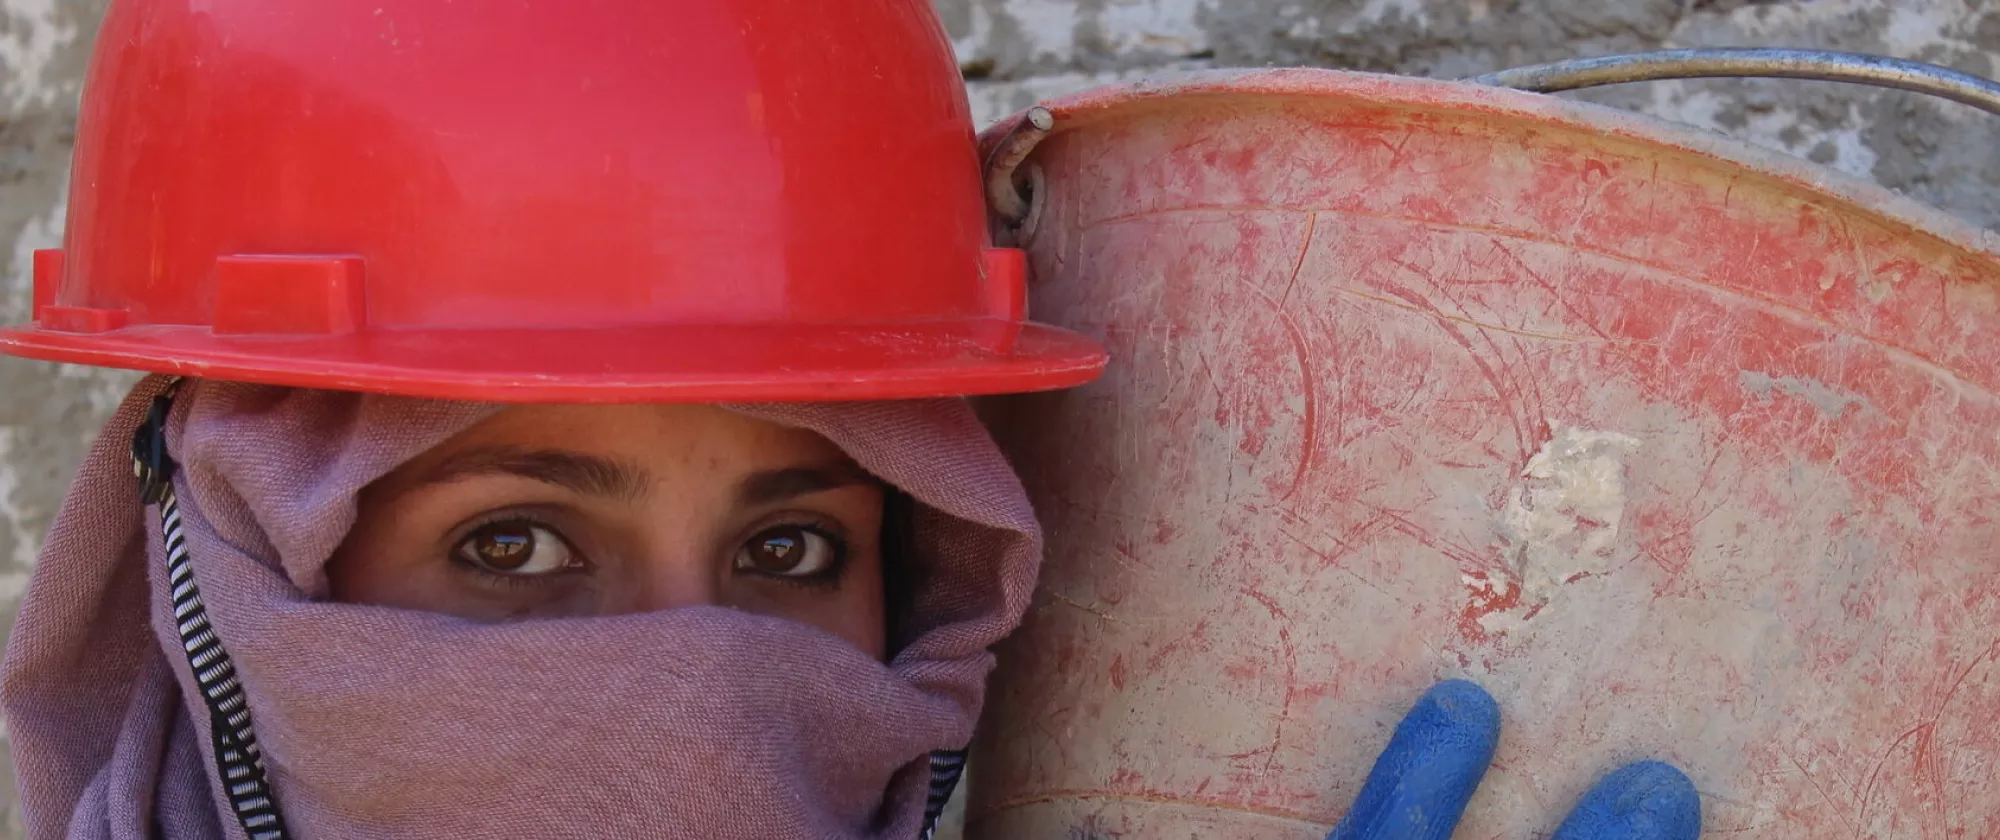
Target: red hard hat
x=539, y=200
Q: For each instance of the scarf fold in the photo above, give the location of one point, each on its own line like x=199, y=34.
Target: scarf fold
x=378, y=723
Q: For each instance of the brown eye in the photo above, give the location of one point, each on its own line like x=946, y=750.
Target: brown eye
x=515, y=548
x=788, y=551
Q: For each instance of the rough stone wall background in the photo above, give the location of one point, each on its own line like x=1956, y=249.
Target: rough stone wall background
x=48, y=413
x=1016, y=51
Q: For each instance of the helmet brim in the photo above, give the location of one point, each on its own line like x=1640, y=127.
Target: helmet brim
x=653, y=364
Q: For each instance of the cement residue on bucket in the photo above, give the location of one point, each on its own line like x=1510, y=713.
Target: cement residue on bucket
x=1561, y=520
x=1833, y=403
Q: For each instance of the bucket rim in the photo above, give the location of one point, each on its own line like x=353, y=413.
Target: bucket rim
x=1083, y=109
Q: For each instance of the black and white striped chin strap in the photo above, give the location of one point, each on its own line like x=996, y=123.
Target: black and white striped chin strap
x=238, y=761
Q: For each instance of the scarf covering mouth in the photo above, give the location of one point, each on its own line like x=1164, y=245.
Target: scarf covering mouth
x=382, y=723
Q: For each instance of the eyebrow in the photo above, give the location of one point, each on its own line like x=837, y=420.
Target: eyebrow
x=589, y=475
x=772, y=486
x=593, y=475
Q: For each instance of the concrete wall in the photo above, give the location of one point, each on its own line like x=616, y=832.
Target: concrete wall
x=1015, y=51
x=48, y=414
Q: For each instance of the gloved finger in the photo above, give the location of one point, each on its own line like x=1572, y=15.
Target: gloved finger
x=1424, y=778
x=1648, y=800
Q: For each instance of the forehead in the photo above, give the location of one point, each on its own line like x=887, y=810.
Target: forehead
x=697, y=435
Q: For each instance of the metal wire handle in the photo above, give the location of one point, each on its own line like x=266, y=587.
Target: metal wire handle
x=1816, y=65
x=1003, y=192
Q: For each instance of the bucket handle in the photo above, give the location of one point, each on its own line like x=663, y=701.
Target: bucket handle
x=1013, y=210
x=1752, y=62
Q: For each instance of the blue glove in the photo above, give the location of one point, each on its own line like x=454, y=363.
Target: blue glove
x=1424, y=778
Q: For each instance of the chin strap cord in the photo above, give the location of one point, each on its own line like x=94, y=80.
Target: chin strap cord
x=239, y=764
x=946, y=769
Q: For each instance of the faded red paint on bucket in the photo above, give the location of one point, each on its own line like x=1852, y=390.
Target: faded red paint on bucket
x=1683, y=449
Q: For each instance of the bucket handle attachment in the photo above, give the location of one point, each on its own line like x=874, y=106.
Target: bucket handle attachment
x=1009, y=192
x=1740, y=62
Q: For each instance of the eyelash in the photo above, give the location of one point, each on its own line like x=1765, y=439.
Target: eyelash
x=507, y=518
x=835, y=572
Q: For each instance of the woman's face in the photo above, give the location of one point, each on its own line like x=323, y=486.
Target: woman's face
x=574, y=511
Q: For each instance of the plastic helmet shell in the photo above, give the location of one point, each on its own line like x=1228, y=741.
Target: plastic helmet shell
x=538, y=200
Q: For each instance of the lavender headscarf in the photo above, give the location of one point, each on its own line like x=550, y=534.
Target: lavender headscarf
x=378, y=723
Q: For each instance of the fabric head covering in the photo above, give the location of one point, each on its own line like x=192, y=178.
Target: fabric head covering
x=377, y=723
